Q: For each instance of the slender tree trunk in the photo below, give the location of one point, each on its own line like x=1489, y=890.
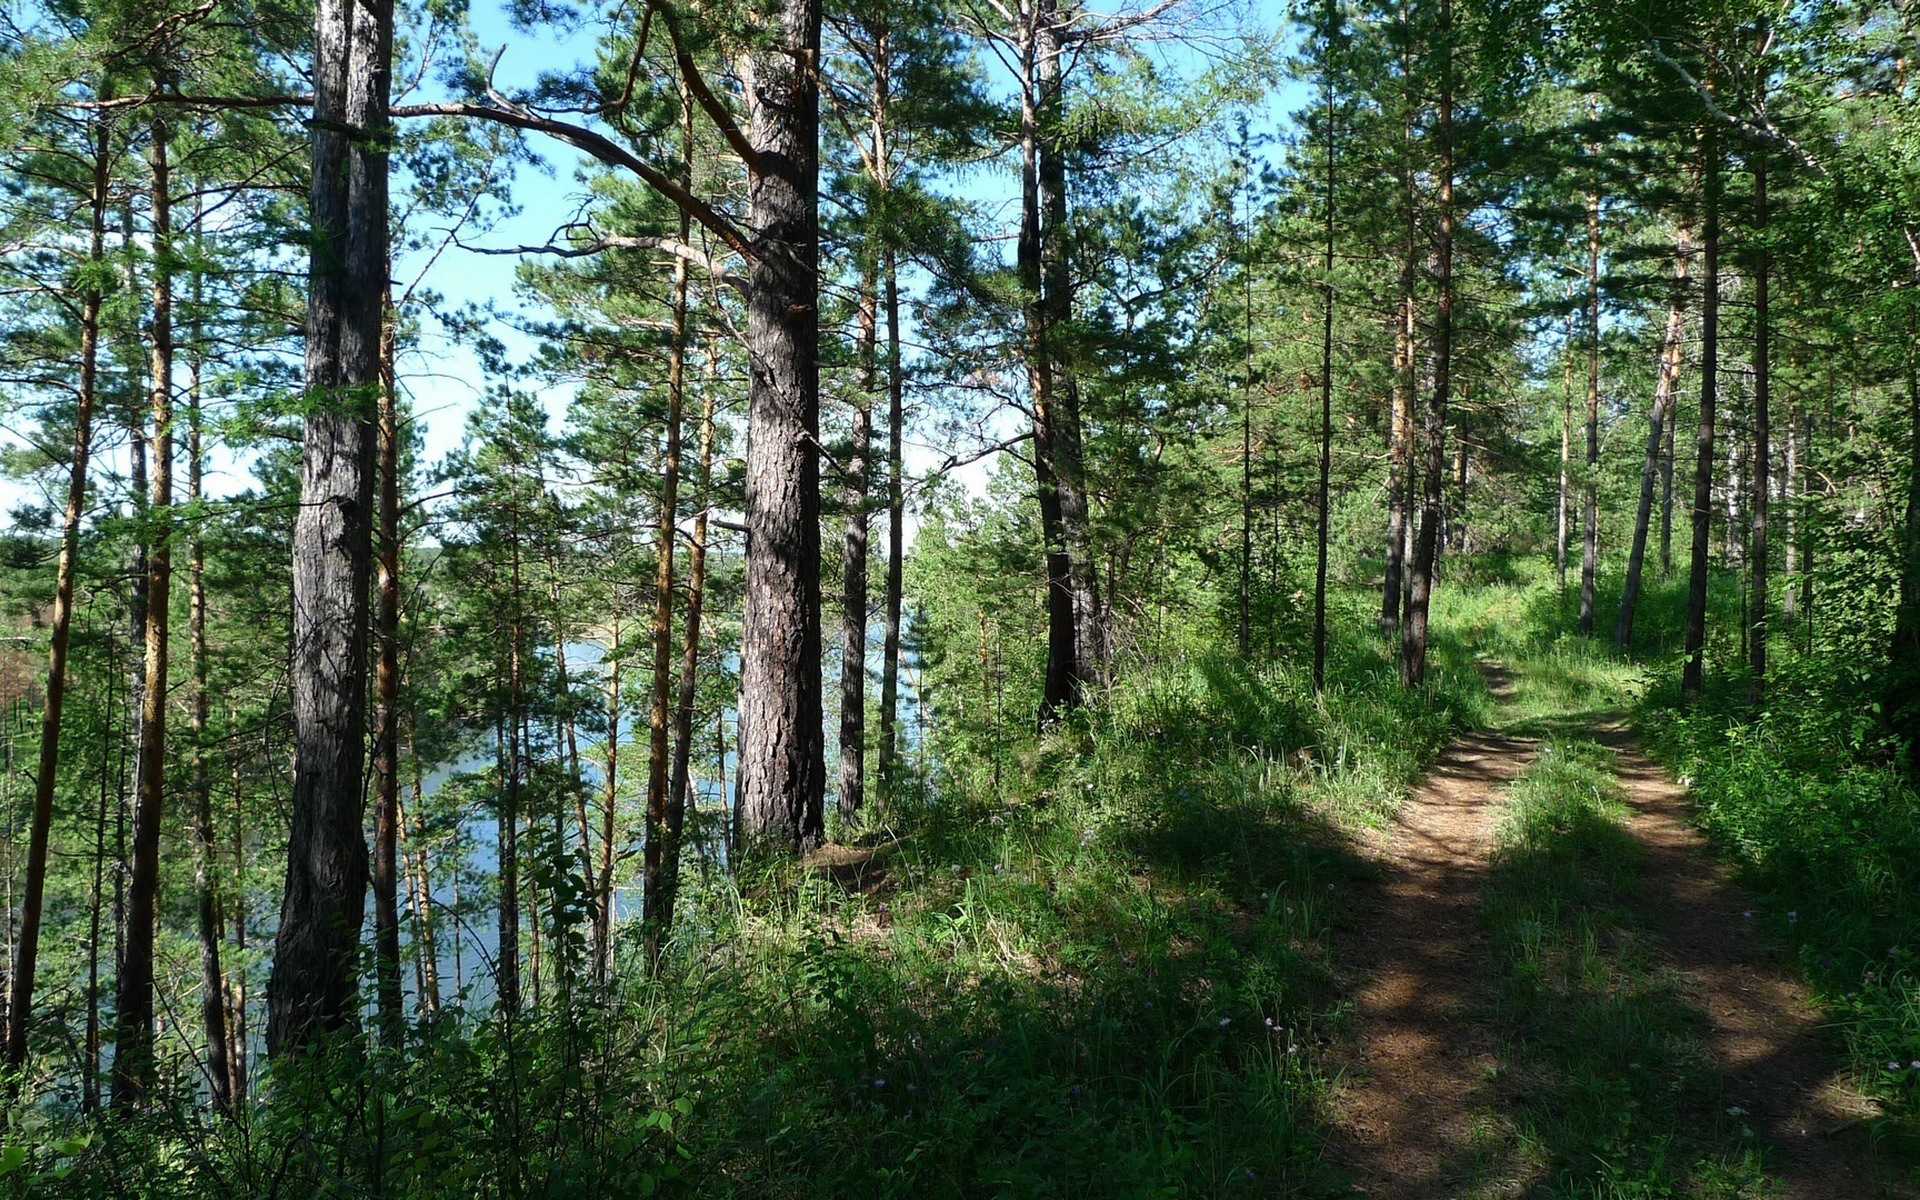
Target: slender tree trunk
x=1762, y=434
x=316, y=953
x=1326, y=379
x=609, y=802
x=782, y=766
x=213, y=981
x=1590, y=512
x=1665, y=382
x=133, y=1059
x=1400, y=434
x=1790, y=485
x=1413, y=660
x=420, y=885
x=896, y=533
x=26, y=956
x=661, y=845
x=386, y=704
x=1693, y=676
x=237, y=1027
x=1903, y=676
x=1666, y=490
x=1562, y=509
x=90, y=1060
x=690, y=653
x=853, y=569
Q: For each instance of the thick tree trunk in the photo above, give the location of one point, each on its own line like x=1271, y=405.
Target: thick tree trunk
x=1413, y=656
x=1762, y=433
x=316, y=953
x=133, y=1060
x=1069, y=456
x=782, y=753
x=1590, y=509
x=386, y=702
x=1062, y=685
x=1693, y=672
x=1665, y=381
x=26, y=954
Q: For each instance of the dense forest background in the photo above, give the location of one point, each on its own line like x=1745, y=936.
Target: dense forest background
x=965, y=508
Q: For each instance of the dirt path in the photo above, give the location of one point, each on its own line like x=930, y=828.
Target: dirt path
x=1413, y=1112
x=1408, y=1109
x=1765, y=1033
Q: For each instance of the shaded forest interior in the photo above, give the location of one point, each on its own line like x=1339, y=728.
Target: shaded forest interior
x=941, y=626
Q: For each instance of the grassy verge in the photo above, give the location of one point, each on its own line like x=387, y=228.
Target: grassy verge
x=1826, y=829
x=1108, y=975
x=1606, y=1082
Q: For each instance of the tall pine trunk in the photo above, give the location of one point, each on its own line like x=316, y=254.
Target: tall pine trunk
x=896, y=534
x=1762, y=433
x=26, y=953
x=661, y=854
x=316, y=953
x=133, y=1059
x=1590, y=509
x=1326, y=376
x=1693, y=672
x=386, y=702
x=213, y=982
x=853, y=566
x=1413, y=655
x=1665, y=382
x=782, y=752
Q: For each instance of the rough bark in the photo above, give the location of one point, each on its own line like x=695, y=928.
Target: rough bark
x=1692, y=675
x=26, y=953
x=1056, y=292
x=1326, y=385
x=1413, y=656
x=1762, y=433
x=1561, y=509
x=1062, y=685
x=1400, y=432
x=316, y=952
x=133, y=1060
x=1665, y=382
x=782, y=753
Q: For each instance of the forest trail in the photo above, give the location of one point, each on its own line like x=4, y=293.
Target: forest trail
x=1408, y=1110
x=1420, y=1112
x=1765, y=1033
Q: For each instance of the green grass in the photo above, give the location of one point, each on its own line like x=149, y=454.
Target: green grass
x=1605, y=1078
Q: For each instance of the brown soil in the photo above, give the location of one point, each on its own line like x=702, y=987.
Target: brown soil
x=1407, y=1113
x=1776, y=1061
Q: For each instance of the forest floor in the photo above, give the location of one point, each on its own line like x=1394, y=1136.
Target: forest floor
x=1541, y=924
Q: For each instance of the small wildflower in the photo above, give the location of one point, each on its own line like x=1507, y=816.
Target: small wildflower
x=1915, y=1064
x=1792, y=916
x=1269, y=1022
x=1225, y=1021
x=1263, y=895
x=1250, y=1174
x=879, y=1083
x=1893, y=1066
x=1748, y=914
x=912, y=1087
x=1736, y=1111
x=1633, y=1066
